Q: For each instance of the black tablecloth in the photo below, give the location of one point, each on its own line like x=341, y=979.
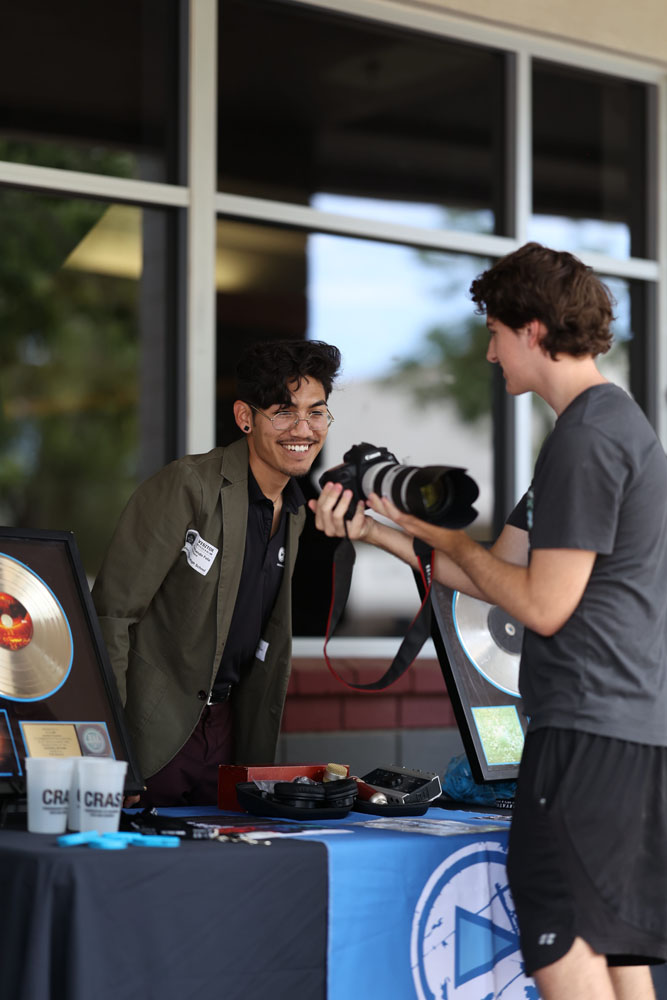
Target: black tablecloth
x=205, y=919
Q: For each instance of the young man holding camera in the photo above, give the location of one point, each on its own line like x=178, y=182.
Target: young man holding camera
x=582, y=563
x=194, y=595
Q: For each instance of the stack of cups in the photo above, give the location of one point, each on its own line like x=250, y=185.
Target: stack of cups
x=96, y=795
x=82, y=793
x=48, y=785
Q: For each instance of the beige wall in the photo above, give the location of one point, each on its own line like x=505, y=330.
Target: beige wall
x=637, y=29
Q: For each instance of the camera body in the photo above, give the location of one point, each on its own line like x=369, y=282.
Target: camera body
x=439, y=494
x=356, y=462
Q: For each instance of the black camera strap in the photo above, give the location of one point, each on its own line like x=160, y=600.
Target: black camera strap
x=420, y=627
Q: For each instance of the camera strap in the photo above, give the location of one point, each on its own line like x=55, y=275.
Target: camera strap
x=420, y=627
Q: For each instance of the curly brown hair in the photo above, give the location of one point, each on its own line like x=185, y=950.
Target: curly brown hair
x=552, y=286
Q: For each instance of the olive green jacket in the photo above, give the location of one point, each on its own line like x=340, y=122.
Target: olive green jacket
x=165, y=624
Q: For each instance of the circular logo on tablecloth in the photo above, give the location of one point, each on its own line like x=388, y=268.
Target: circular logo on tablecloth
x=465, y=940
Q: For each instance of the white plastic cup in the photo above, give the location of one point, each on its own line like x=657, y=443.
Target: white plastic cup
x=101, y=782
x=48, y=781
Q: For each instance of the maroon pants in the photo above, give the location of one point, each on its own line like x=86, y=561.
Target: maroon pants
x=191, y=777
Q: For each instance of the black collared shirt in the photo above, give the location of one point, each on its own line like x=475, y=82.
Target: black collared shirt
x=261, y=577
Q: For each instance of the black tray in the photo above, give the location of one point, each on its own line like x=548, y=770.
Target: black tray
x=256, y=802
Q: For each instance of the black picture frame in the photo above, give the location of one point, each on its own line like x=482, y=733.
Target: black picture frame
x=490, y=717
x=44, y=699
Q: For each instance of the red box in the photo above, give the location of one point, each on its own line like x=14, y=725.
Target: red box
x=229, y=775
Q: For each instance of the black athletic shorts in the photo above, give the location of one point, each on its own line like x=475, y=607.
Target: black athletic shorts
x=588, y=848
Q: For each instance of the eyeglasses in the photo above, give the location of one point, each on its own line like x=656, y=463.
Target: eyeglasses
x=285, y=420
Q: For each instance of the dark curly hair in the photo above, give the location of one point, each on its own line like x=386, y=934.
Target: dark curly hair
x=554, y=287
x=267, y=368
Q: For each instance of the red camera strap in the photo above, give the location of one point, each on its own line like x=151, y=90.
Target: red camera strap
x=417, y=634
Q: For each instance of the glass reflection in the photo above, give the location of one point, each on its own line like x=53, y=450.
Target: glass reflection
x=590, y=162
x=415, y=380
x=577, y=235
x=76, y=335
x=375, y=121
x=406, y=213
x=91, y=87
x=615, y=365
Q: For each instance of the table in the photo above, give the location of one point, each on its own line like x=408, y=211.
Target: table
x=201, y=920
x=354, y=908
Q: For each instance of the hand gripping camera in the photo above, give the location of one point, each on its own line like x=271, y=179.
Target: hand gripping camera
x=439, y=494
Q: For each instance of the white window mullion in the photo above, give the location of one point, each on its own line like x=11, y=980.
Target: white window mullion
x=304, y=217
x=201, y=229
x=118, y=189
x=523, y=206
x=661, y=210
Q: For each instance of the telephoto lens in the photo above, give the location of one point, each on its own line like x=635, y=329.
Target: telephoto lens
x=440, y=494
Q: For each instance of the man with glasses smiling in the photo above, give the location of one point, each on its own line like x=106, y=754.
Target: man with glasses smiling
x=194, y=595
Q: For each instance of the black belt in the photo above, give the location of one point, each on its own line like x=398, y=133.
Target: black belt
x=221, y=693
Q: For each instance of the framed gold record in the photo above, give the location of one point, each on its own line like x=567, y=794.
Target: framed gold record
x=36, y=647
x=58, y=696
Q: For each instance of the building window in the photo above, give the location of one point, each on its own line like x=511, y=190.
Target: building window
x=91, y=87
x=381, y=122
x=85, y=376
x=590, y=164
x=361, y=169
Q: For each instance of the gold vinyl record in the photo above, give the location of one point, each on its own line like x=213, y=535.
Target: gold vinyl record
x=35, y=639
x=491, y=639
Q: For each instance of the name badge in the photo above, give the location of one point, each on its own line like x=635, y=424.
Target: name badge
x=262, y=647
x=199, y=553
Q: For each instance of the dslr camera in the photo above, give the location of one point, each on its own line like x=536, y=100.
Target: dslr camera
x=439, y=494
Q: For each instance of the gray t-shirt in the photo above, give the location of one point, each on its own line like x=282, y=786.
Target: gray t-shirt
x=600, y=484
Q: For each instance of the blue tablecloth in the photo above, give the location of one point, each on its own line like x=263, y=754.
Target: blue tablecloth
x=421, y=908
